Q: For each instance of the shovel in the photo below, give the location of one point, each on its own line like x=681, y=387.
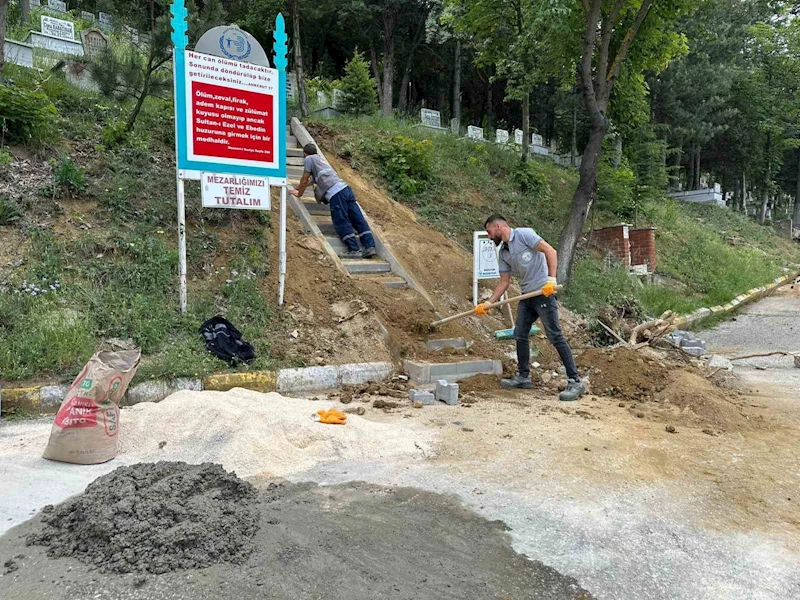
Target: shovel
x=467, y=313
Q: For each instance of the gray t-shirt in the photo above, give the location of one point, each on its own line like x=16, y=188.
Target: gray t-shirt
x=324, y=175
x=520, y=257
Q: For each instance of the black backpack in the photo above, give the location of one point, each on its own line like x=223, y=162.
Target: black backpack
x=225, y=342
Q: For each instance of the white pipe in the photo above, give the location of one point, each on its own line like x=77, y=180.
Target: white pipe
x=181, y=241
x=282, y=248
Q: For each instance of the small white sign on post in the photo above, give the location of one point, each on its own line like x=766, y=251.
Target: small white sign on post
x=501, y=136
x=518, y=137
x=484, y=261
x=431, y=118
x=476, y=133
x=57, y=5
x=234, y=191
x=59, y=28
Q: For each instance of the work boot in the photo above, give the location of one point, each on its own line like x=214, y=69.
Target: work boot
x=573, y=391
x=352, y=254
x=368, y=252
x=518, y=381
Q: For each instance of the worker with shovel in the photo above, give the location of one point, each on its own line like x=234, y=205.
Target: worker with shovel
x=534, y=262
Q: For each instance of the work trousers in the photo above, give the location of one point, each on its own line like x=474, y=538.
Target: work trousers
x=544, y=308
x=349, y=221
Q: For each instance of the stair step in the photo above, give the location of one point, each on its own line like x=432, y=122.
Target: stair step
x=291, y=141
x=294, y=152
x=387, y=279
x=367, y=266
x=325, y=227
x=294, y=161
x=317, y=209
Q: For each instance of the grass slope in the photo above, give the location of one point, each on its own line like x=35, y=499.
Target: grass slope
x=706, y=255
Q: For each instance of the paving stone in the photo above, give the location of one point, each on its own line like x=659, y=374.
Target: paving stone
x=447, y=392
x=422, y=396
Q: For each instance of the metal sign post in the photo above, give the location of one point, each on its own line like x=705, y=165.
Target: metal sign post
x=230, y=129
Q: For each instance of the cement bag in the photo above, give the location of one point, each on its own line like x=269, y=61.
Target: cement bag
x=87, y=424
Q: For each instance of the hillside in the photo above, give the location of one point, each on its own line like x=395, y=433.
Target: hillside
x=88, y=245
x=705, y=255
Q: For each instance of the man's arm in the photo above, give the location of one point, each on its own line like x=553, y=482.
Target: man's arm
x=505, y=280
x=301, y=187
x=550, y=255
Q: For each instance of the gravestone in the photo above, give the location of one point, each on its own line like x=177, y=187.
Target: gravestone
x=132, y=33
x=106, y=20
x=291, y=85
x=518, y=137
x=338, y=99
x=94, y=41
x=476, y=133
x=322, y=98
x=431, y=118
x=501, y=136
x=35, y=3
x=59, y=28
x=537, y=140
x=57, y=5
x=87, y=16
x=455, y=126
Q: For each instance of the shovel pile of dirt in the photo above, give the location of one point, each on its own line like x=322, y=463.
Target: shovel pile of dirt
x=623, y=373
x=154, y=517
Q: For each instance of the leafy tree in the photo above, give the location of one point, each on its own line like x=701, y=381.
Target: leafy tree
x=3, y=14
x=358, y=86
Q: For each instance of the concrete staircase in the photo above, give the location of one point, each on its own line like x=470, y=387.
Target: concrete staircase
x=317, y=218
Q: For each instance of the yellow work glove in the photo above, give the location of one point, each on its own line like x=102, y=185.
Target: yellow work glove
x=482, y=309
x=549, y=288
x=332, y=417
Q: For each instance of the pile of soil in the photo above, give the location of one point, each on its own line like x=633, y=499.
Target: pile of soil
x=623, y=373
x=154, y=517
x=692, y=400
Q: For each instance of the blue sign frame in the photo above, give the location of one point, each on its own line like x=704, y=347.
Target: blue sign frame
x=179, y=40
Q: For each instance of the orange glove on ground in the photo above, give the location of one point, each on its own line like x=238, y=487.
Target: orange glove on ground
x=332, y=417
x=482, y=309
x=549, y=288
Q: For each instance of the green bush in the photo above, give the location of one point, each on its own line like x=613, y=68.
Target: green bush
x=616, y=190
x=5, y=157
x=113, y=134
x=530, y=180
x=358, y=86
x=10, y=211
x=68, y=176
x=26, y=117
x=405, y=162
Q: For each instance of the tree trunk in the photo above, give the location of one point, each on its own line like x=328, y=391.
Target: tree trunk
x=489, y=113
x=457, y=84
x=744, y=194
x=25, y=9
x=376, y=72
x=796, y=214
x=582, y=202
x=419, y=36
x=526, y=126
x=3, y=13
x=573, y=154
x=618, y=151
x=697, y=169
x=690, y=171
x=140, y=100
x=387, y=98
x=298, y=60
x=765, y=194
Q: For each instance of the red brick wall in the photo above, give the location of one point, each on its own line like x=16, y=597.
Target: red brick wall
x=643, y=247
x=615, y=240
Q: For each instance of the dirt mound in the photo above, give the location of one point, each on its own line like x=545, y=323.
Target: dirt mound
x=480, y=384
x=154, y=517
x=690, y=399
x=623, y=373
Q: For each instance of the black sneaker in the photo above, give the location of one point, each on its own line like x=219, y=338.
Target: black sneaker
x=573, y=391
x=518, y=381
x=368, y=252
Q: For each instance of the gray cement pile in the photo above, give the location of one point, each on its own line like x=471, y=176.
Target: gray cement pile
x=156, y=518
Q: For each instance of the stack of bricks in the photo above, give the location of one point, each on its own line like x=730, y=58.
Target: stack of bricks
x=643, y=247
x=614, y=240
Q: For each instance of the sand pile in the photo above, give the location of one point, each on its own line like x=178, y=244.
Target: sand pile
x=154, y=517
x=252, y=433
x=623, y=373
